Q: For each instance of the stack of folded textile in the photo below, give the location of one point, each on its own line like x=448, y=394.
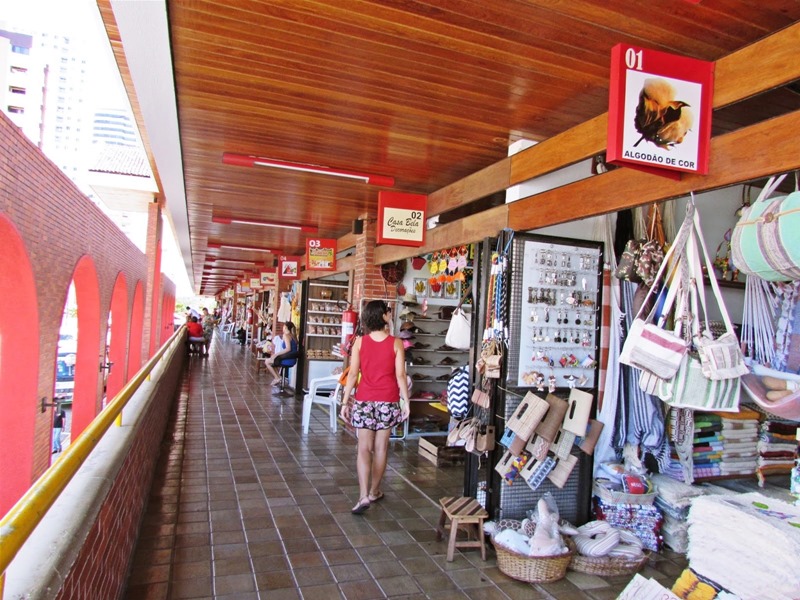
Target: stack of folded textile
x=748, y=544
x=777, y=446
x=739, y=442
x=674, y=498
x=706, y=449
x=707, y=442
x=644, y=520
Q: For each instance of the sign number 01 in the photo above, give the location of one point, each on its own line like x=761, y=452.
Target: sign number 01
x=633, y=59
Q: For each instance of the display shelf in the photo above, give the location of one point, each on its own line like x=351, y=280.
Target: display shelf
x=320, y=284
x=323, y=323
x=724, y=283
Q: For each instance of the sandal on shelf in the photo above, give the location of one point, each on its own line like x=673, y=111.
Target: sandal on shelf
x=375, y=497
x=362, y=505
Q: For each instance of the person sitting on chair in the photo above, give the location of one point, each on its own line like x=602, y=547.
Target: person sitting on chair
x=286, y=356
x=196, y=339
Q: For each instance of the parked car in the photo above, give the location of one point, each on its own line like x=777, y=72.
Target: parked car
x=67, y=343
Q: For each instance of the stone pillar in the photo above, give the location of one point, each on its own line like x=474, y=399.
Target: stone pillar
x=152, y=298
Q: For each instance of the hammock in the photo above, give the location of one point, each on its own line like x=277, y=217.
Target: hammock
x=787, y=407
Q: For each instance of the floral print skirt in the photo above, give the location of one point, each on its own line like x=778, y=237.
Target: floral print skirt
x=375, y=415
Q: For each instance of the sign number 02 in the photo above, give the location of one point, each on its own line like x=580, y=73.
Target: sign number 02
x=633, y=59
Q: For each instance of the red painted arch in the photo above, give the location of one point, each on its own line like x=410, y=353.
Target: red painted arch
x=19, y=365
x=85, y=404
x=119, y=339
x=137, y=325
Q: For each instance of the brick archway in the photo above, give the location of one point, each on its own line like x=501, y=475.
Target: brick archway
x=137, y=324
x=85, y=404
x=19, y=363
x=119, y=338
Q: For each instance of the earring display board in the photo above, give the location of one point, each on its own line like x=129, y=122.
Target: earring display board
x=552, y=279
x=559, y=324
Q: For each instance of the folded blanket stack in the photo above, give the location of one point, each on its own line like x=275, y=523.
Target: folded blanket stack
x=644, y=520
x=747, y=543
x=706, y=452
x=777, y=447
x=739, y=442
x=674, y=498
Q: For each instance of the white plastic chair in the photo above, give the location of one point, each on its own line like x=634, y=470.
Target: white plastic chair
x=319, y=392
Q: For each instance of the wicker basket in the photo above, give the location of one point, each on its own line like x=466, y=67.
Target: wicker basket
x=534, y=569
x=613, y=497
x=607, y=566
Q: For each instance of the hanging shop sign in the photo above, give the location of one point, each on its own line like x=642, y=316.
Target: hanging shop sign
x=243, y=287
x=321, y=254
x=255, y=283
x=289, y=267
x=401, y=218
x=269, y=279
x=659, y=113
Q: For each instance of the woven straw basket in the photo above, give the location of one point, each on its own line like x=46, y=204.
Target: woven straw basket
x=608, y=565
x=534, y=569
x=613, y=497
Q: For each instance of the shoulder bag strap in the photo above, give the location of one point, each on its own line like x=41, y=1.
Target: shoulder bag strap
x=711, y=277
x=675, y=249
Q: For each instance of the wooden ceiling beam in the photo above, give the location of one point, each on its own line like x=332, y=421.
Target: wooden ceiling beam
x=753, y=152
x=469, y=229
x=760, y=67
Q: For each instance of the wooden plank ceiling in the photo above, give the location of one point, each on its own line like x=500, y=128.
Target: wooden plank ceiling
x=425, y=92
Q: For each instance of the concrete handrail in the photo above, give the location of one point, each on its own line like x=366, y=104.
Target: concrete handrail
x=18, y=524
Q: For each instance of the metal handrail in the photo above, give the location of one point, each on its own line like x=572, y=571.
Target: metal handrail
x=18, y=524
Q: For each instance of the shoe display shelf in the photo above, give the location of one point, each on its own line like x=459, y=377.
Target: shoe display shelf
x=429, y=363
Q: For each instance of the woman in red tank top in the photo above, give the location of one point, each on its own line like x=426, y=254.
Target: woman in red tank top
x=381, y=401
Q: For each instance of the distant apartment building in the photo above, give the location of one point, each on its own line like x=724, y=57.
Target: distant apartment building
x=44, y=87
x=22, y=82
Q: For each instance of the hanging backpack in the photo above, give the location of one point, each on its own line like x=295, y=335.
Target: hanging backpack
x=458, y=392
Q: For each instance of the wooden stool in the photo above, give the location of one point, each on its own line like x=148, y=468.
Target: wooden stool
x=463, y=513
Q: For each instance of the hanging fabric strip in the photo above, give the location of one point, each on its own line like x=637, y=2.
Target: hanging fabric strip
x=643, y=425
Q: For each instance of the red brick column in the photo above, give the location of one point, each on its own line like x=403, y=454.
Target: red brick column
x=367, y=280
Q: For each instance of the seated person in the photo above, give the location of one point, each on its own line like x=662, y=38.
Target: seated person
x=285, y=355
x=196, y=339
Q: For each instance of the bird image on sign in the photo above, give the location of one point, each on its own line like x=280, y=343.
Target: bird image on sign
x=660, y=118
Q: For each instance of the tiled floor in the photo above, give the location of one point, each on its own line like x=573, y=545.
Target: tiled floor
x=244, y=506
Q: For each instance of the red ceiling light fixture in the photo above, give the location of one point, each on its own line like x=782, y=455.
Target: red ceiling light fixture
x=220, y=245
x=230, y=220
x=242, y=160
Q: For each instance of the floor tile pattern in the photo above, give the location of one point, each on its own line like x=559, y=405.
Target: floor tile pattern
x=243, y=506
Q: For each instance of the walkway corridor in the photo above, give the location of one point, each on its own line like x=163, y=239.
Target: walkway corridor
x=245, y=507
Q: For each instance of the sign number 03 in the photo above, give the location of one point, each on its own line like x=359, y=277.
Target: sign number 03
x=314, y=244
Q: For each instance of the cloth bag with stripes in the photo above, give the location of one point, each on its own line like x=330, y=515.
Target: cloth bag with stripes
x=649, y=346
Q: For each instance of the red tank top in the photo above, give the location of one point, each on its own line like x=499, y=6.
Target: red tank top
x=378, y=380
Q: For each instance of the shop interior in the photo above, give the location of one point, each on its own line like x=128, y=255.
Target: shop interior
x=548, y=313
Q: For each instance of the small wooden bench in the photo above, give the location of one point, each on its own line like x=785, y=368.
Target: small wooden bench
x=464, y=513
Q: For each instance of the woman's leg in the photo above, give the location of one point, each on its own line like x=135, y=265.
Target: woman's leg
x=271, y=369
x=364, y=462
x=379, y=459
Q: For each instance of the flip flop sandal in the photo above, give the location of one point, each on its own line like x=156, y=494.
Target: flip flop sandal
x=375, y=498
x=362, y=505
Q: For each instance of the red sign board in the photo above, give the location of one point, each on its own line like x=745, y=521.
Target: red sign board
x=321, y=254
x=659, y=113
x=289, y=267
x=401, y=218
